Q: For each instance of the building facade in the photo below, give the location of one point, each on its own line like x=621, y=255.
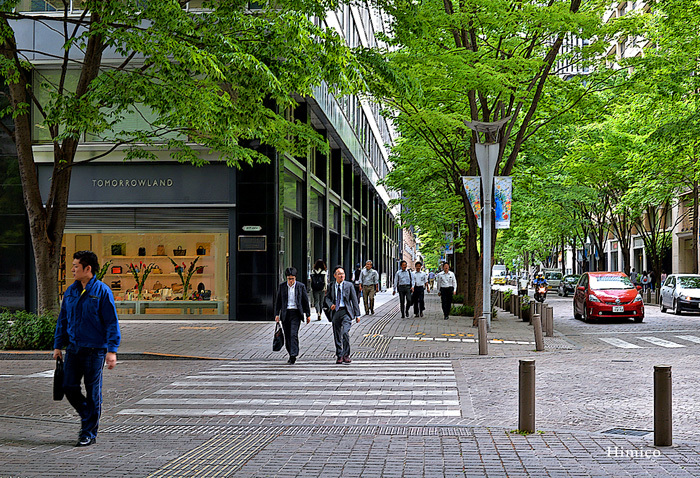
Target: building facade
x=235, y=230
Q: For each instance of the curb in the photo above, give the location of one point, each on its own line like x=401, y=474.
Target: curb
x=42, y=355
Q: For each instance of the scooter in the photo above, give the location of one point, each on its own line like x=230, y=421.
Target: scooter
x=541, y=292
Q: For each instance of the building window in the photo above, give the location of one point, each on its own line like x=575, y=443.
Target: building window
x=292, y=194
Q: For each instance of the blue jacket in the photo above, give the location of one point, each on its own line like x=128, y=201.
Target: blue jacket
x=88, y=318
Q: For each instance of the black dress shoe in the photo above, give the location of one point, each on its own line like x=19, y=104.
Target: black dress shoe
x=421, y=314
x=447, y=317
x=347, y=360
x=85, y=441
x=340, y=360
x=291, y=360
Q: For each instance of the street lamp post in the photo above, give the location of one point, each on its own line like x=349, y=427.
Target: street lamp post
x=487, y=157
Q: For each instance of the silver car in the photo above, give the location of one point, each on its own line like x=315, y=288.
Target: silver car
x=680, y=292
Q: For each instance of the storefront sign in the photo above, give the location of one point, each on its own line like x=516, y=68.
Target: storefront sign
x=146, y=183
x=252, y=243
x=252, y=228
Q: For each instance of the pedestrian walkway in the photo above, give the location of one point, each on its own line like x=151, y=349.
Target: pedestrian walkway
x=264, y=389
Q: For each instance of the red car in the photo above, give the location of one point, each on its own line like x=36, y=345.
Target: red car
x=605, y=295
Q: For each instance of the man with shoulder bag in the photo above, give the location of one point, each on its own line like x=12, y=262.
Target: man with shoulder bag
x=369, y=278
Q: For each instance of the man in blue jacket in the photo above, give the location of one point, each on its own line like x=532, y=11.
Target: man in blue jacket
x=89, y=329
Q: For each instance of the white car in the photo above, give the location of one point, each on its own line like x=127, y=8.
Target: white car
x=680, y=292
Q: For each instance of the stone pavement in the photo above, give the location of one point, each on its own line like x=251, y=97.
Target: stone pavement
x=417, y=400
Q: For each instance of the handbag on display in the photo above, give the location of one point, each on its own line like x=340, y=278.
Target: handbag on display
x=142, y=251
x=179, y=251
x=116, y=284
x=156, y=270
x=278, y=339
x=177, y=287
x=157, y=286
x=160, y=250
x=58, y=380
x=118, y=249
x=116, y=269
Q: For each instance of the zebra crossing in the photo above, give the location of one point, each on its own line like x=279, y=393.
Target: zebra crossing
x=676, y=341
x=389, y=388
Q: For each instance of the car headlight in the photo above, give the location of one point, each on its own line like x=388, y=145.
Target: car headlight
x=638, y=298
x=688, y=298
x=593, y=298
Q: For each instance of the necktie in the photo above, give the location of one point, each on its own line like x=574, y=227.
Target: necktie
x=337, y=296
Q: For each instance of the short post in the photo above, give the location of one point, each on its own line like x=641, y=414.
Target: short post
x=513, y=298
x=549, y=321
x=648, y=294
x=483, y=339
x=539, y=340
x=663, y=400
x=526, y=398
x=532, y=310
x=499, y=299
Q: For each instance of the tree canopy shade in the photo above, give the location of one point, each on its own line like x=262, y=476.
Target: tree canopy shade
x=211, y=80
x=454, y=62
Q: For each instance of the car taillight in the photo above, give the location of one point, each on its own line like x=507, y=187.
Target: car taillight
x=593, y=298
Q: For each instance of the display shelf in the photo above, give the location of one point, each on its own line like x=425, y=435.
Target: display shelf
x=155, y=257
x=153, y=276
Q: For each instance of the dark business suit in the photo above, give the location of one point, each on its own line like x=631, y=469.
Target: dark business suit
x=342, y=317
x=291, y=318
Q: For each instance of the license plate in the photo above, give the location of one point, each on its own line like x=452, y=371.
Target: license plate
x=618, y=308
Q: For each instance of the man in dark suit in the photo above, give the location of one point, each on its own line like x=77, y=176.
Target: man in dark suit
x=342, y=301
x=291, y=301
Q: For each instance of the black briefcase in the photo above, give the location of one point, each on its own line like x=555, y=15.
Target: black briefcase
x=278, y=339
x=58, y=380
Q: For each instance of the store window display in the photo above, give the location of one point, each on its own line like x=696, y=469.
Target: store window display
x=159, y=273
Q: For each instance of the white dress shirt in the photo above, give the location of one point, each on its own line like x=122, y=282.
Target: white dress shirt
x=291, y=296
x=419, y=279
x=446, y=280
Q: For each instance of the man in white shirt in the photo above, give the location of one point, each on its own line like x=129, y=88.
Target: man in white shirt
x=369, y=278
x=402, y=283
x=446, y=284
x=291, y=302
x=420, y=281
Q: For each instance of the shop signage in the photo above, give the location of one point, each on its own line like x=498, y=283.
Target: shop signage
x=146, y=183
x=252, y=228
x=252, y=243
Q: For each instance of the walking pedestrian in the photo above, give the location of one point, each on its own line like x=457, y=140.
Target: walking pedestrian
x=431, y=280
x=634, y=277
x=446, y=284
x=663, y=276
x=420, y=281
x=291, y=302
x=342, y=301
x=319, y=284
x=645, y=281
x=89, y=329
x=402, y=283
x=369, y=278
x=356, y=280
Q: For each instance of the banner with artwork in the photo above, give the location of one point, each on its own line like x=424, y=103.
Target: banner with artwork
x=503, y=196
x=472, y=185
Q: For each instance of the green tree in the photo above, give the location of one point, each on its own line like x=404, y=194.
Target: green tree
x=213, y=79
x=454, y=62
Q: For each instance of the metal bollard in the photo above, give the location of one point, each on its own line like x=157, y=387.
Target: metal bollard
x=663, y=401
x=483, y=339
x=532, y=310
x=539, y=340
x=648, y=297
x=549, y=321
x=526, y=396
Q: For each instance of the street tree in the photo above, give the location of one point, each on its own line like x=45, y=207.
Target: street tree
x=212, y=80
x=453, y=62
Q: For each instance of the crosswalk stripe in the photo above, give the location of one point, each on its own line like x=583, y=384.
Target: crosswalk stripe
x=689, y=338
x=661, y=342
x=386, y=389
x=619, y=343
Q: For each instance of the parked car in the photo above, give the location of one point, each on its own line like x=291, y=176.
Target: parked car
x=607, y=295
x=553, y=277
x=568, y=284
x=680, y=292
x=498, y=274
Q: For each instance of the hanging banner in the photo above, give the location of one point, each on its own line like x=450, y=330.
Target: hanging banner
x=449, y=246
x=472, y=185
x=503, y=196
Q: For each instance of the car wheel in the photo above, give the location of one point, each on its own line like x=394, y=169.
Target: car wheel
x=566, y=294
x=676, y=307
x=661, y=305
x=587, y=317
x=558, y=291
x=639, y=319
x=577, y=316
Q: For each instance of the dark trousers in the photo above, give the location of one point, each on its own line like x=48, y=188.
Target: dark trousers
x=290, y=325
x=418, y=300
x=446, y=294
x=85, y=364
x=404, y=298
x=341, y=332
